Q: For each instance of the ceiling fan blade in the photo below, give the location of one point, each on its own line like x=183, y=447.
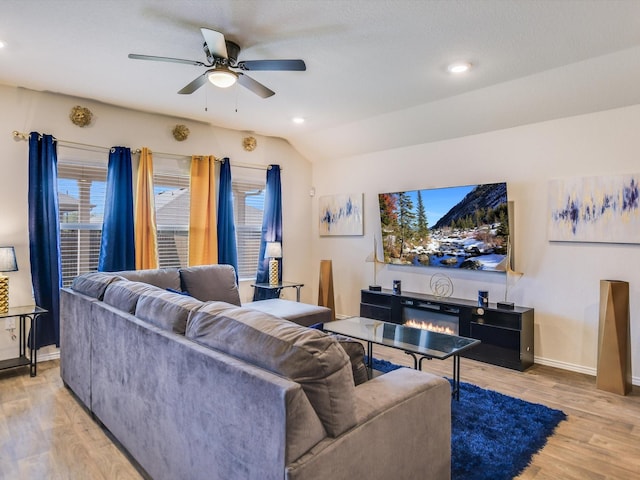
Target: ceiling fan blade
x=195, y=84
x=289, y=65
x=254, y=86
x=215, y=42
x=135, y=56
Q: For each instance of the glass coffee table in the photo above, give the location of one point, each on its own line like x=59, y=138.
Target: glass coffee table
x=419, y=343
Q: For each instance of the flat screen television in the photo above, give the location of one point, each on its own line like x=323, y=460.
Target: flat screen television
x=463, y=227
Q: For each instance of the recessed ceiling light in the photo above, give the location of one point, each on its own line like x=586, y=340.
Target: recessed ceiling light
x=2, y=44
x=297, y=120
x=459, y=67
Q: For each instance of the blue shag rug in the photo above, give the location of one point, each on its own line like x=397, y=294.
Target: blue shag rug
x=493, y=436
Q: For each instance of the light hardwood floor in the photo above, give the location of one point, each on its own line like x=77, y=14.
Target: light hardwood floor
x=46, y=434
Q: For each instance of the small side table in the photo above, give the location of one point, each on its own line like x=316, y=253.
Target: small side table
x=31, y=312
x=279, y=286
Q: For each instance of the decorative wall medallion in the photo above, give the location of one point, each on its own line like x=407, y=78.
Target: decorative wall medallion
x=441, y=285
x=80, y=116
x=249, y=143
x=180, y=132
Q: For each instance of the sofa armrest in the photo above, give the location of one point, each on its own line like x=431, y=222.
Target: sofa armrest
x=403, y=432
x=75, y=343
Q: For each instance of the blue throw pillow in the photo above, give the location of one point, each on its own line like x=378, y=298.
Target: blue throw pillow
x=180, y=292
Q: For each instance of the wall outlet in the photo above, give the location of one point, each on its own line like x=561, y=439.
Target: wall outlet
x=10, y=323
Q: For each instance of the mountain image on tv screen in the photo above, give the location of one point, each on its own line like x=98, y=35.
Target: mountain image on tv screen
x=455, y=227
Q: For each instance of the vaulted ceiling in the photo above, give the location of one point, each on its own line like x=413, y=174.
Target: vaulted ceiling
x=376, y=69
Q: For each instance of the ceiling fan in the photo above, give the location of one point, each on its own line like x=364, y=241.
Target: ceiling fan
x=223, y=68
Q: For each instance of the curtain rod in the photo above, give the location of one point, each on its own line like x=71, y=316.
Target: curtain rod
x=66, y=143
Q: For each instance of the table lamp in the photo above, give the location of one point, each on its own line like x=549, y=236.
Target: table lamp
x=273, y=251
x=7, y=264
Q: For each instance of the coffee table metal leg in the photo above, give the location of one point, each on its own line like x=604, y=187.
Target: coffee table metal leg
x=370, y=355
x=415, y=361
x=456, y=377
x=424, y=357
x=455, y=388
x=370, y=360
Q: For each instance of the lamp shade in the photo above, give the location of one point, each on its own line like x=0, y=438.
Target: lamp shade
x=8, y=261
x=273, y=250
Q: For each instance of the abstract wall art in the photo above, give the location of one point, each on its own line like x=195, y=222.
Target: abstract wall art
x=595, y=209
x=340, y=214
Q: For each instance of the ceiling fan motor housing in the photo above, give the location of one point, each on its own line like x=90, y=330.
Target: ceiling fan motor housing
x=233, y=51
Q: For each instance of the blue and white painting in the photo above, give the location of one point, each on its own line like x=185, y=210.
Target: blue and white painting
x=341, y=214
x=595, y=209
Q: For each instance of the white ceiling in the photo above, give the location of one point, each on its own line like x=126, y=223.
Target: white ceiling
x=376, y=70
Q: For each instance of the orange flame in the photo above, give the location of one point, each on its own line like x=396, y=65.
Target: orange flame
x=429, y=326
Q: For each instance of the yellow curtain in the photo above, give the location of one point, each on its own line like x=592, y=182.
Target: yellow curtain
x=145, y=214
x=203, y=233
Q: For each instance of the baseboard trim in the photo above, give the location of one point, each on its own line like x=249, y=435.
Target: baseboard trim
x=45, y=357
x=572, y=367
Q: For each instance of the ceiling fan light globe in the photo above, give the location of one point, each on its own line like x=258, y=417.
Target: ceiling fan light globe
x=223, y=78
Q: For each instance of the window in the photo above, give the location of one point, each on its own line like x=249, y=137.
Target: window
x=81, y=194
x=81, y=197
x=248, y=208
x=172, y=197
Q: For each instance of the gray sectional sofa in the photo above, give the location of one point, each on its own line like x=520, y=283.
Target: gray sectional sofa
x=199, y=387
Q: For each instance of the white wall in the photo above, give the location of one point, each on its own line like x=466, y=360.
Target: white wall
x=561, y=280
x=26, y=111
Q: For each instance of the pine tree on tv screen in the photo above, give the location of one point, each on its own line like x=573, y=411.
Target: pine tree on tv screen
x=456, y=227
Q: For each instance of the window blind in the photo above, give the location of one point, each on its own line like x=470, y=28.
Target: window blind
x=81, y=194
x=248, y=207
x=171, y=198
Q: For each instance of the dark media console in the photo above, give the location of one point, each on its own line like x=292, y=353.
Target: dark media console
x=506, y=334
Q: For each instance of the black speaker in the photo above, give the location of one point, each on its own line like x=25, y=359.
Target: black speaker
x=506, y=305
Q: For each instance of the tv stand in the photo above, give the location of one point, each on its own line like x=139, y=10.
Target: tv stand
x=506, y=334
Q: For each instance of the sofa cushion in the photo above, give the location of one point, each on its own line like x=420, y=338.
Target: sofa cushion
x=166, y=310
x=124, y=295
x=160, y=277
x=300, y=313
x=211, y=282
x=94, y=284
x=355, y=351
x=307, y=356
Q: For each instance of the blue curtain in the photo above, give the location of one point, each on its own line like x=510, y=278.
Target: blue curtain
x=44, y=237
x=271, y=231
x=117, y=247
x=227, y=248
